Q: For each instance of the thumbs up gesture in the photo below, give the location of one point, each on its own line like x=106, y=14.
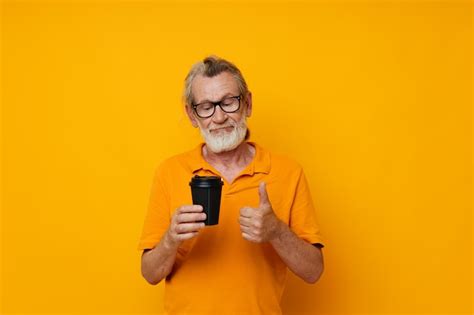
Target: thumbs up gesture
x=260, y=224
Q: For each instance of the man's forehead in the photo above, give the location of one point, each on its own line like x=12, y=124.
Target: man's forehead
x=206, y=88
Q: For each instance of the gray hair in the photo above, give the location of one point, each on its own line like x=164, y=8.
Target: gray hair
x=210, y=67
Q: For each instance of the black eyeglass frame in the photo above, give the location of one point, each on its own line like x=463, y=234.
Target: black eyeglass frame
x=238, y=97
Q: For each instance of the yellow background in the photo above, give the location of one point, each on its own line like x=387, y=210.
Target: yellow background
x=372, y=98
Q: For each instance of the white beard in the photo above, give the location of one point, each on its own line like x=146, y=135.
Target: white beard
x=225, y=141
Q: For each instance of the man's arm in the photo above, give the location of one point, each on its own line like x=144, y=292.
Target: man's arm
x=302, y=258
x=158, y=262
x=262, y=225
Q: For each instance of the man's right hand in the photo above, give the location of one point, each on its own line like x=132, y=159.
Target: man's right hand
x=185, y=224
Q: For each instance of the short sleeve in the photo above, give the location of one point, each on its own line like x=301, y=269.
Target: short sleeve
x=157, y=218
x=303, y=220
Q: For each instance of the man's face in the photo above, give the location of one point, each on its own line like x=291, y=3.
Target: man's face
x=222, y=131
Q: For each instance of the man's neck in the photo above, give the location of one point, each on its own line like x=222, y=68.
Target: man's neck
x=239, y=157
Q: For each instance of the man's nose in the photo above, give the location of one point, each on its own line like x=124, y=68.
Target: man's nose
x=219, y=115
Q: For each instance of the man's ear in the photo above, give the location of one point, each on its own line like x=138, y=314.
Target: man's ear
x=190, y=113
x=249, y=104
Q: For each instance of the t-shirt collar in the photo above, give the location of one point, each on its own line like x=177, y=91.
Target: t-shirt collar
x=259, y=164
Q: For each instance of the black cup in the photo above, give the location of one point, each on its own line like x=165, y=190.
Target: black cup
x=206, y=191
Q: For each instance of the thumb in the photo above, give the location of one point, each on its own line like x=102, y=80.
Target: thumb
x=262, y=191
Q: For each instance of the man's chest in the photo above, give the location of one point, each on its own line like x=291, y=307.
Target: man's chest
x=229, y=174
x=241, y=192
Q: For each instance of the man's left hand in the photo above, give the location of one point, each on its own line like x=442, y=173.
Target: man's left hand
x=260, y=224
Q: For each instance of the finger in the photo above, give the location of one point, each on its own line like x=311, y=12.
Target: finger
x=190, y=208
x=248, y=237
x=246, y=212
x=184, y=228
x=246, y=229
x=190, y=217
x=262, y=191
x=245, y=221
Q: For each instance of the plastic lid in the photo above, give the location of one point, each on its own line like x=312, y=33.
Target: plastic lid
x=206, y=181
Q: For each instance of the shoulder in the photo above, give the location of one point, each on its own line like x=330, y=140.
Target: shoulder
x=177, y=162
x=282, y=162
x=284, y=166
x=285, y=161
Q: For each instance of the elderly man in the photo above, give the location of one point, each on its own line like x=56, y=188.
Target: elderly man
x=267, y=221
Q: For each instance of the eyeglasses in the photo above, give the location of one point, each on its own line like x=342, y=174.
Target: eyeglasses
x=229, y=104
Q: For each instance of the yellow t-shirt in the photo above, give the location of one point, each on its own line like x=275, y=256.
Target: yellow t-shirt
x=219, y=272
